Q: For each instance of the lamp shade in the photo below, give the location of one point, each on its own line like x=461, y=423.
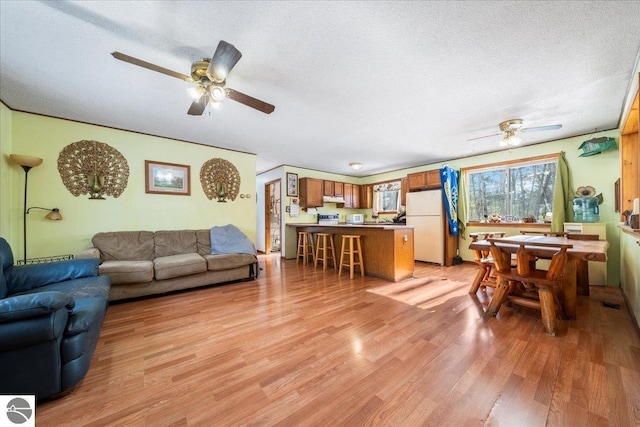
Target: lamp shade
x=54, y=215
x=24, y=160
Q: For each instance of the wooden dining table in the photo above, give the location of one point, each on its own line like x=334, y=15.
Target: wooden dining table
x=581, y=251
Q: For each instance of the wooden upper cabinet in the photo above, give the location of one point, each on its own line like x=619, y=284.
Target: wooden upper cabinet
x=630, y=157
x=424, y=180
x=338, y=189
x=348, y=196
x=366, y=196
x=404, y=188
x=355, y=196
x=310, y=192
x=328, y=188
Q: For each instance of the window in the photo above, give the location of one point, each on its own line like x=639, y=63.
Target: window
x=386, y=197
x=513, y=191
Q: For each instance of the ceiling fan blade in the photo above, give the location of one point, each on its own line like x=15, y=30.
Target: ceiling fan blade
x=223, y=61
x=540, y=128
x=150, y=66
x=250, y=101
x=198, y=106
x=486, y=136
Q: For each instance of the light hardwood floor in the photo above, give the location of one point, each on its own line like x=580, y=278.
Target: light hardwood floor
x=302, y=347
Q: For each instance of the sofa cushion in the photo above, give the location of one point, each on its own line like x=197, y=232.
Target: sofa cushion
x=6, y=254
x=22, y=278
x=122, y=272
x=175, y=242
x=228, y=261
x=125, y=245
x=168, y=267
x=203, y=241
x=85, y=287
x=3, y=282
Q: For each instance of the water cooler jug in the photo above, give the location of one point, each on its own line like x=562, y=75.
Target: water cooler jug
x=585, y=209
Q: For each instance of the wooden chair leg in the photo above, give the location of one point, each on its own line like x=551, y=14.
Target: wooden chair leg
x=547, y=309
x=499, y=295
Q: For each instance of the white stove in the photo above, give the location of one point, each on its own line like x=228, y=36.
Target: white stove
x=328, y=219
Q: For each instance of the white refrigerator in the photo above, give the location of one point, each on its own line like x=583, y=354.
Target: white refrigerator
x=424, y=213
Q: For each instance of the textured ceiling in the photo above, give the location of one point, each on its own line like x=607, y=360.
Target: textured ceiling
x=387, y=84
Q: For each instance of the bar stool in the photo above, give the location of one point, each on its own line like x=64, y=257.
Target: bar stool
x=324, y=244
x=305, y=246
x=349, y=239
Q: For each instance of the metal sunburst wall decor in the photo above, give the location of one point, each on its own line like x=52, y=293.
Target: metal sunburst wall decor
x=220, y=180
x=94, y=168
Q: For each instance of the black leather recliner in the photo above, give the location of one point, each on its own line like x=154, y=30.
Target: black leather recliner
x=50, y=320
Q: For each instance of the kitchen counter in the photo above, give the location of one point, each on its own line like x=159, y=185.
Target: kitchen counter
x=382, y=225
x=387, y=247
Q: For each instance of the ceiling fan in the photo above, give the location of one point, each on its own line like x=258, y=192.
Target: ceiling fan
x=510, y=129
x=210, y=76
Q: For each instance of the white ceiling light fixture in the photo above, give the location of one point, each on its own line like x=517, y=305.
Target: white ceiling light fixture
x=195, y=92
x=355, y=165
x=218, y=93
x=510, y=139
x=216, y=105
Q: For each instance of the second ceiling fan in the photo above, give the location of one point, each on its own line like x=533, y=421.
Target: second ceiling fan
x=210, y=75
x=510, y=129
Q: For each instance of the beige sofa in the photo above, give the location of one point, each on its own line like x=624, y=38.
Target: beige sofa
x=141, y=263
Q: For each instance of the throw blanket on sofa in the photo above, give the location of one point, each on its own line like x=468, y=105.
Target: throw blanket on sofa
x=227, y=239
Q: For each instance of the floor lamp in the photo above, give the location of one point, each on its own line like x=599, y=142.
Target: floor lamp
x=27, y=162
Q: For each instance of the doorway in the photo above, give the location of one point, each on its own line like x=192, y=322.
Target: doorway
x=273, y=217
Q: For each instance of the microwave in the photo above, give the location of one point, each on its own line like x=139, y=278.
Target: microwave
x=355, y=219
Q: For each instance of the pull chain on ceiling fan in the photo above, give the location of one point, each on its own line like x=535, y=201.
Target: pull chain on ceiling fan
x=510, y=130
x=210, y=75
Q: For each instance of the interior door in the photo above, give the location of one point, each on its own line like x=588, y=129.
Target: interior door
x=273, y=217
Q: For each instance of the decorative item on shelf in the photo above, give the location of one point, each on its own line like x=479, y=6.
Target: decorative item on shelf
x=495, y=218
x=220, y=180
x=27, y=163
x=94, y=168
x=597, y=146
x=529, y=219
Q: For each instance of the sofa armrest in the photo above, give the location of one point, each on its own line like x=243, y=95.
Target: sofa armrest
x=22, y=278
x=33, y=305
x=89, y=253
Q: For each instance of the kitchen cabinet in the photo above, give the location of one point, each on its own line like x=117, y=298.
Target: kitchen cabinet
x=355, y=196
x=630, y=268
x=630, y=156
x=328, y=188
x=366, y=196
x=426, y=180
x=404, y=188
x=351, y=196
x=338, y=189
x=310, y=192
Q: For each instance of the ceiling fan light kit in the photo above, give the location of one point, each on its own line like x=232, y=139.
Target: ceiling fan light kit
x=210, y=75
x=510, y=128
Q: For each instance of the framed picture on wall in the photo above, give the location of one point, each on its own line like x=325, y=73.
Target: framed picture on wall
x=167, y=178
x=292, y=184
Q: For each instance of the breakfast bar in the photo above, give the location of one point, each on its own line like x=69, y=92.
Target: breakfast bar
x=387, y=248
